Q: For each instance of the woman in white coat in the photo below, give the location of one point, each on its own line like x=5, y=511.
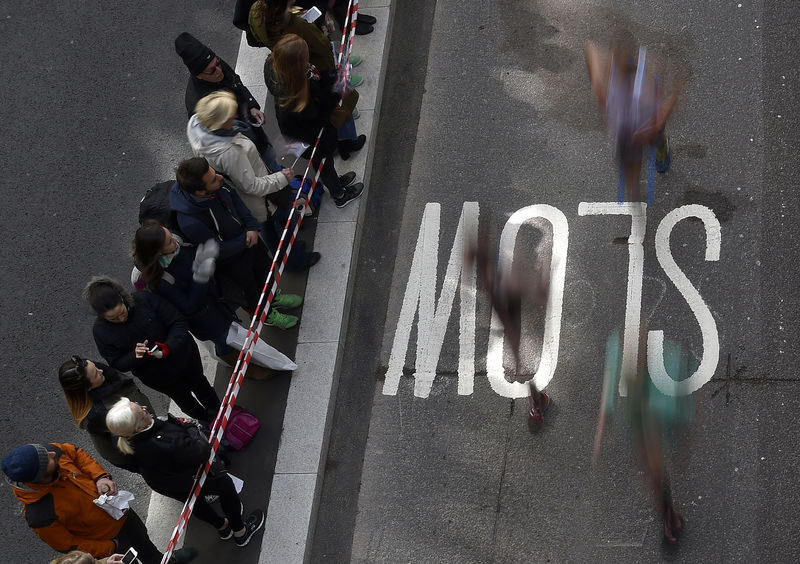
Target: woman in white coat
x=213, y=133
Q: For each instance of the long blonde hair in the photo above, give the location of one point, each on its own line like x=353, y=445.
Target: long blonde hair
x=123, y=421
x=290, y=61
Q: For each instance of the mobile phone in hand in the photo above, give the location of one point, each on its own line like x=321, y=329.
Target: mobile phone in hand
x=130, y=557
x=312, y=14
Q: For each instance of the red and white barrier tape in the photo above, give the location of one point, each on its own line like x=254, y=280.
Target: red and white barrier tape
x=260, y=316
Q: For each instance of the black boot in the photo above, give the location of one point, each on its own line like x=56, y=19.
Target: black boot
x=347, y=146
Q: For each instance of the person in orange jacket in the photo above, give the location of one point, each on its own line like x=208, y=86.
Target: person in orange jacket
x=57, y=484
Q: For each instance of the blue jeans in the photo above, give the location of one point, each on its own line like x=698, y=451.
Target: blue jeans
x=348, y=130
x=271, y=233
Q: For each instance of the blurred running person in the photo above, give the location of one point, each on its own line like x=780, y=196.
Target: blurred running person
x=630, y=100
x=506, y=293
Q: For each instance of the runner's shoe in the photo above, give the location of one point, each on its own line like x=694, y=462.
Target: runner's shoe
x=663, y=156
x=536, y=412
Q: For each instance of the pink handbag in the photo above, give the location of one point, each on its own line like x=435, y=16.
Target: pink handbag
x=242, y=427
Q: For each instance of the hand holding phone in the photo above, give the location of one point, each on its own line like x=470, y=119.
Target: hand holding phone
x=130, y=557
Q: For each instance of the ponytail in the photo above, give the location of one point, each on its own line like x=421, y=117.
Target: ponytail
x=124, y=445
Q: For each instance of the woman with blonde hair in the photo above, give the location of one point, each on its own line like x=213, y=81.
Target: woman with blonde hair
x=91, y=388
x=169, y=452
x=305, y=102
x=80, y=557
x=213, y=133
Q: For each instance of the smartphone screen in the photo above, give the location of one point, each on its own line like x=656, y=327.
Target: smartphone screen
x=312, y=14
x=130, y=556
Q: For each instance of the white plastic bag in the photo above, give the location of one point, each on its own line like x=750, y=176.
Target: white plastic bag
x=263, y=354
x=115, y=505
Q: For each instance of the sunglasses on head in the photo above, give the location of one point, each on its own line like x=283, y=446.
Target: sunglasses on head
x=80, y=365
x=214, y=68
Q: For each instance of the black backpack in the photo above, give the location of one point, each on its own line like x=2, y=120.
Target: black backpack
x=155, y=205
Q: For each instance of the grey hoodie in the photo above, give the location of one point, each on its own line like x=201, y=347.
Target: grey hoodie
x=237, y=158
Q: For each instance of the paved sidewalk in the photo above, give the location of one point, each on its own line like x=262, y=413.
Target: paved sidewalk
x=294, y=496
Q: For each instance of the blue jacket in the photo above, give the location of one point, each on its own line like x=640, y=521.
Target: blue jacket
x=222, y=216
x=208, y=318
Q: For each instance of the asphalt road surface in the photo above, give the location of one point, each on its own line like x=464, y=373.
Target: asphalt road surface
x=489, y=103
x=93, y=114
x=489, y=111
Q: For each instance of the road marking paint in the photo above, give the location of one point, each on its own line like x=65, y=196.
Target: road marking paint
x=633, y=304
x=555, y=299
x=432, y=317
x=708, y=327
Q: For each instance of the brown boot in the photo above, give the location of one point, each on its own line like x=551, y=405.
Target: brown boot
x=256, y=372
x=230, y=358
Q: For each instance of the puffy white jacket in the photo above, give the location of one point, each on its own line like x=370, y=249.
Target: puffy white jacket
x=237, y=158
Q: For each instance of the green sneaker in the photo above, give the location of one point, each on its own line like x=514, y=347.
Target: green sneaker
x=286, y=301
x=355, y=60
x=356, y=80
x=281, y=320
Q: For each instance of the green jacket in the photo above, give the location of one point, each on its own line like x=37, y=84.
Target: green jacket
x=319, y=47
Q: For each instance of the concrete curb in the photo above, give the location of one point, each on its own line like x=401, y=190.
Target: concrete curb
x=299, y=469
x=300, y=464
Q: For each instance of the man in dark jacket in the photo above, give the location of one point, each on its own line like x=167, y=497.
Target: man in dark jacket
x=57, y=484
x=209, y=209
x=209, y=73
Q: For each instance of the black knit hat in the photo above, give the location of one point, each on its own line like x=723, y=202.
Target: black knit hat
x=195, y=55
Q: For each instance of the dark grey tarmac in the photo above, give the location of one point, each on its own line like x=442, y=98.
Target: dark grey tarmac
x=502, y=115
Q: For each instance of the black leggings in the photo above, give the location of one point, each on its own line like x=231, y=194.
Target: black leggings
x=228, y=498
x=247, y=270
x=134, y=534
x=327, y=146
x=190, y=380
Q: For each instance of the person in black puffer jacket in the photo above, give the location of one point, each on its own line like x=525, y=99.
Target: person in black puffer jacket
x=169, y=452
x=144, y=334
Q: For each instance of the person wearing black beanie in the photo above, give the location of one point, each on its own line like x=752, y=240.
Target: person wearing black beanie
x=209, y=74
